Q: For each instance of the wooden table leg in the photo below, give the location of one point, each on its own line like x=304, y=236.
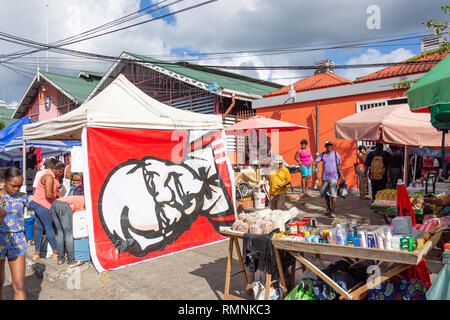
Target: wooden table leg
x=252, y=277
x=226, y=292
x=280, y=271
x=248, y=287
x=268, y=282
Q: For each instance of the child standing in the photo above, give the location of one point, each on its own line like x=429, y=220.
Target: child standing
x=13, y=244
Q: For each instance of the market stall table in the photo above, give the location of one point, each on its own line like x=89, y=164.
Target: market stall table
x=388, y=212
x=234, y=241
x=401, y=261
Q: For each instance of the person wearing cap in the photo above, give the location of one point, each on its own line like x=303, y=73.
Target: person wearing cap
x=280, y=178
x=305, y=160
x=331, y=172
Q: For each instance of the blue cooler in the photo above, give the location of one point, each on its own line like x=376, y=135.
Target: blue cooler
x=81, y=248
x=29, y=227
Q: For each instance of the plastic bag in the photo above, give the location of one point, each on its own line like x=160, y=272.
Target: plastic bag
x=255, y=229
x=342, y=190
x=267, y=226
x=259, y=291
x=440, y=290
x=303, y=291
x=240, y=226
x=46, y=250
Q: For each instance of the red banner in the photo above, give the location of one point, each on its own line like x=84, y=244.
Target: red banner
x=155, y=192
x=404, y=206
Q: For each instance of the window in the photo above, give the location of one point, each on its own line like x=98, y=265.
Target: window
x=362, y=106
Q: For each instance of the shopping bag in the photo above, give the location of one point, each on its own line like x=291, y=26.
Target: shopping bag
x=259, y=291
x=300, y=292
x=440, y=290
x=342, y=190
x=46, y=250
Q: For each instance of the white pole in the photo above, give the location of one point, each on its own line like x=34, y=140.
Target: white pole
x=46, y=31
x=24, y=167
x=415, y=166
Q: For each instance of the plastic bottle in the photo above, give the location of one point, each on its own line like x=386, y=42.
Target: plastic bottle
x=349, y=237
x=388, y=240
x=340, y=240
x=332, y=237
x=380, y=240
x=362, y=239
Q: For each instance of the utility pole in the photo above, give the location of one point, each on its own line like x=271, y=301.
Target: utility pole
x=46, y=38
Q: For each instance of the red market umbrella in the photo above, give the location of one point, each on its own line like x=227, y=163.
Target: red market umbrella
x=260, y=123
x=404, y=206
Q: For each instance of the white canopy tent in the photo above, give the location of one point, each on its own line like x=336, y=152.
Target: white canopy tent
x=120, y=105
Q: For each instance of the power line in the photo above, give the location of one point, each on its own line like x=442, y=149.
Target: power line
x=112, y=23
x=184, y=64
x=58, y=47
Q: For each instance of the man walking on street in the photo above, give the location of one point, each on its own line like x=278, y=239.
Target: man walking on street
x=331, y=172
x=378, y=166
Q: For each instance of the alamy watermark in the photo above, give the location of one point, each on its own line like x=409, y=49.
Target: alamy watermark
x=373, y=280
x=374, y=19
x=73, y=281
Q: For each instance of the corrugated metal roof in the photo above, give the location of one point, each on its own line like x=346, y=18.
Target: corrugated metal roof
x=206, y=75
x=406, y=69
x=78, y=88
x=5, y=115
x=317, y=81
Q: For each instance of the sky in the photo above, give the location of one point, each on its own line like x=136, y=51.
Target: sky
x=222, y=26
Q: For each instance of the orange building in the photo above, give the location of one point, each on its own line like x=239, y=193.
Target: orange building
x=325, y=98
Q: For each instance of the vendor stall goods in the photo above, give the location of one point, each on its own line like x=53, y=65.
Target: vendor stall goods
x=353, y=234
x=266, y=220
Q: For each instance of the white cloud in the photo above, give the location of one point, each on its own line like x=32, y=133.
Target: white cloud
x=374, y=56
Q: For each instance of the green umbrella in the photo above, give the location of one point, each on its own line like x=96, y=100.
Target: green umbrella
x=432, y=91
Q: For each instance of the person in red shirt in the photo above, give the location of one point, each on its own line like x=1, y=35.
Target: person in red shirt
x=62, y=214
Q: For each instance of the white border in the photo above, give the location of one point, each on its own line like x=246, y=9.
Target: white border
x=90, y=221
x=88, y=202
x=231, y=172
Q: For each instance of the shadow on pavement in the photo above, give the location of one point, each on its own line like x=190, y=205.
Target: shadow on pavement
x=32, y=284
x=214, y=274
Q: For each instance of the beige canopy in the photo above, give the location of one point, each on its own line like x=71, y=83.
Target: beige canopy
x=394, y=124
x=120, y=105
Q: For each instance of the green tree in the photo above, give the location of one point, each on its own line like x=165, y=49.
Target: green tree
x=439, y=26
x=2, y=125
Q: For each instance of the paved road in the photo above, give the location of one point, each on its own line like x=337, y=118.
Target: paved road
x=197, y=274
